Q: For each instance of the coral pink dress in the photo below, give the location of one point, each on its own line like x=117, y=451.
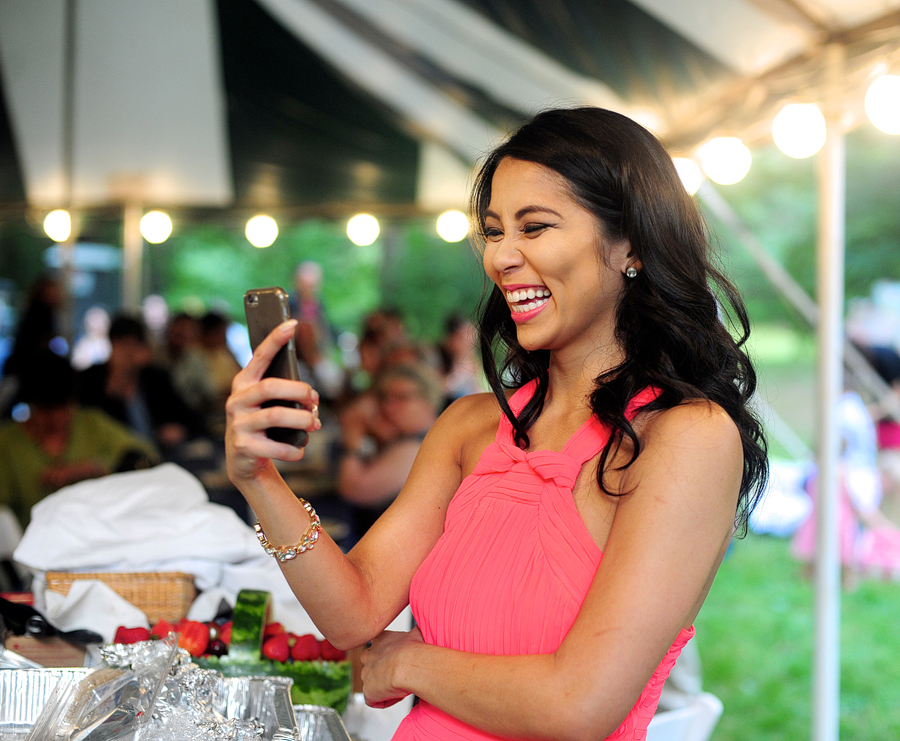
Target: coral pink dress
x=513, y=566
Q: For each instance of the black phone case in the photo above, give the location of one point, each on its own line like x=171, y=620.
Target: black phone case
x=265, y=309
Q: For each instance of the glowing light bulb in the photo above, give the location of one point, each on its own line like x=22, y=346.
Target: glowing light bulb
x=58, y=225
x=725, y=159
x=799, y=130
x=363, y=229
x=156, y=226
x=261, y=230
x=452, y=226
x=689, y=172
x=883, y=104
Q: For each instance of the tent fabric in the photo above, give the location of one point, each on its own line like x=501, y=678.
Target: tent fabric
x=309, y=103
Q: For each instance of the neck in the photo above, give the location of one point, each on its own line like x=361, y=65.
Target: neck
x=572, y=373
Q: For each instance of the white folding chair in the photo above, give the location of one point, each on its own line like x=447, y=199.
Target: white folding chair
x=694, y=722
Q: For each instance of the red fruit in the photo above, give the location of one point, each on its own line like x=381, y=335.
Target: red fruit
x=305, y=649
x=217, y=648
x=225, y=632
x=277, y=647
x=162, y=629
x=329, y=652
x=272, y=629
x=131, y=635
x=194, y=637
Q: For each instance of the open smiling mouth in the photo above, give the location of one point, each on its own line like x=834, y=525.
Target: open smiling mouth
x=527, y=299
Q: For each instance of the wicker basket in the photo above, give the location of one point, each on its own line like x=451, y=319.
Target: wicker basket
x=161, y=595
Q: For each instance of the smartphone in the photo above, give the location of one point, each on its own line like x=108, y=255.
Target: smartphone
x=265, y=309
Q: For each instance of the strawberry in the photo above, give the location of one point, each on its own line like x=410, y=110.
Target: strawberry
x=131, y=635
x=329, y=652
x=193, y=637
x=306, y=648
x=225, y=633
x=277, y=647
x=162, y=629
x=272, y=629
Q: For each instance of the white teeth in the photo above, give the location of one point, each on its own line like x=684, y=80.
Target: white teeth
x=522, y=308
x=526, y=294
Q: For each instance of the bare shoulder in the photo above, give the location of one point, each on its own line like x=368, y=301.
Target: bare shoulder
x=692, y=423
x=695, y=444
x=471, y=413
x=469, y=425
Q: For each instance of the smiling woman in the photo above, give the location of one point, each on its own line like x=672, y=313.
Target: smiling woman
x=557, y=538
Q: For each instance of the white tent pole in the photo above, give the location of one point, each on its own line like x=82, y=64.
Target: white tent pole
x=830, y=281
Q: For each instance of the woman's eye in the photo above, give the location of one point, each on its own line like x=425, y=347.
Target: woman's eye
x=492, y=233
x=534, y=228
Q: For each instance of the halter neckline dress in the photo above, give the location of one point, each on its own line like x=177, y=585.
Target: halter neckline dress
x=513, y=566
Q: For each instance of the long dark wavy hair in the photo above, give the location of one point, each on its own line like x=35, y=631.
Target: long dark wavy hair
x=676, y=318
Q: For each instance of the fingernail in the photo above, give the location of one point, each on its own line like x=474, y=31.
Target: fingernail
x=288, y=325
x=318, y=423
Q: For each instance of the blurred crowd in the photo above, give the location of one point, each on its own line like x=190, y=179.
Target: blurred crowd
x=134, y=390
x=868, y=486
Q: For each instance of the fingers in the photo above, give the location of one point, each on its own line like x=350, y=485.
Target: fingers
x=281, y=389
x=265, y=351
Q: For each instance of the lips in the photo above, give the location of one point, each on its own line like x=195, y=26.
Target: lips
x=527, y=301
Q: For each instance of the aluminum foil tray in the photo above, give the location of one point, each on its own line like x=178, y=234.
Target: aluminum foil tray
x=24, y=692
x=317, y=723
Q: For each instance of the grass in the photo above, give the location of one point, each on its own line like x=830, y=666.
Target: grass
x=755, y=637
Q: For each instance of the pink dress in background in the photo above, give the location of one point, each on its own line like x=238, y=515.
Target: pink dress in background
x=514, y=564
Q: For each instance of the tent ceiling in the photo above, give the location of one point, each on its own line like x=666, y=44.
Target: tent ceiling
x=310, y=103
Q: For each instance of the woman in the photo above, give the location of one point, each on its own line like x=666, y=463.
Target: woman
x=554, y=590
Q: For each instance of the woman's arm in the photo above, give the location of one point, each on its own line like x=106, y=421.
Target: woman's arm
x=667, y=539
x=353, y=597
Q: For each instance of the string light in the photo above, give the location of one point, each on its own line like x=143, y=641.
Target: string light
x=799, y=130
x=452, y=226
x=725, y=159
x=58, y=225
x=261, y=230
x=156, y=226
x=689, y=172
x=883, y=104
x=363, y=229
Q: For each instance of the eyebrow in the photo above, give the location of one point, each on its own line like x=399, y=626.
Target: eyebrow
x=524, y=211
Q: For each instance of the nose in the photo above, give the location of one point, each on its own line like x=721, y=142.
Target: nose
x=503, y=255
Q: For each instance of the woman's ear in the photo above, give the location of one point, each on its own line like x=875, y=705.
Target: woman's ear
x=625, y=257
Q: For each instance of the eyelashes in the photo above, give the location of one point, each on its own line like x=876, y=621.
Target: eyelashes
x=492, y=234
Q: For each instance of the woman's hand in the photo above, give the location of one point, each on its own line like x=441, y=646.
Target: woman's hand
x=247, y=448
x=379, y=667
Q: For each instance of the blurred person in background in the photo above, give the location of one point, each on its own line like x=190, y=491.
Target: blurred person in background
x=316, y=366
x=409, y=399
x=459, y=359
x=92, y=347
x=869, y=541
x=38, y=328
x=184, y=359
x=131, y=389
x=60, y=442
x=221, y=367
x=384, y=335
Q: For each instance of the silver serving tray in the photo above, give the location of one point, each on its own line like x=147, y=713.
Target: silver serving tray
x=24, y=692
